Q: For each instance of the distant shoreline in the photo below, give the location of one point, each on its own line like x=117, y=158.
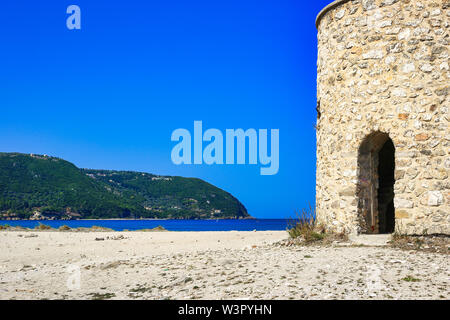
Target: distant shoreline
x=139, y=224
x=148, y=219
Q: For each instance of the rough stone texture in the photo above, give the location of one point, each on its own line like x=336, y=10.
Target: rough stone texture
x=383, y=69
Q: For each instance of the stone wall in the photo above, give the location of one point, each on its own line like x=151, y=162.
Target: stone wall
x=383, y=71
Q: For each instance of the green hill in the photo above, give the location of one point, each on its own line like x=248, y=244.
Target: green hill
x=52, y=187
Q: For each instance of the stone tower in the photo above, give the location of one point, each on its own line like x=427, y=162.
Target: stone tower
x=383, y=111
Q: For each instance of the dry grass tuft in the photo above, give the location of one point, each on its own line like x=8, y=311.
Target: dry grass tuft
x=306, y=228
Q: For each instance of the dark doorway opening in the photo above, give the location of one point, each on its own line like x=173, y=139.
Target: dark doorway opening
x=376, y=167
x=386, y=167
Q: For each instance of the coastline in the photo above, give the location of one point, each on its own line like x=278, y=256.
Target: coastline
x=138, y=219
x=147, y=224
x=158, y=219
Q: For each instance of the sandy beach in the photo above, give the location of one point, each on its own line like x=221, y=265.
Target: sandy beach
x=210, y=265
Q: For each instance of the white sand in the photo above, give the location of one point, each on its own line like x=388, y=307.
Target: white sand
x=209, y=265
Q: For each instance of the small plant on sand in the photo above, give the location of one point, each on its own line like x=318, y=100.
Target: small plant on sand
x=64, y=228
x=410, y=279
x=102, y=296
x=421, y=242
x=159, y=228
x=305, y=226
x=4, y=227
x=41, y=226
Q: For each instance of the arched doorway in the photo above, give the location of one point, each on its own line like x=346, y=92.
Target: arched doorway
x=376, y=167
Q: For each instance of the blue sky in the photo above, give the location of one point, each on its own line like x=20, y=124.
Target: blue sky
x=108, y=96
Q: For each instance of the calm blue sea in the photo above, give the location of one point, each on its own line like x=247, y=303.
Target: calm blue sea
x=171, y=225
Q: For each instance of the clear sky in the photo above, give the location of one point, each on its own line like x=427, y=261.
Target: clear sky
x=108, y=96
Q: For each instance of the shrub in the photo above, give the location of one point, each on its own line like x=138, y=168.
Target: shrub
x=410, y=279
x=305, y=226
x=64, y=228
x=42, y=227
x=159, y=228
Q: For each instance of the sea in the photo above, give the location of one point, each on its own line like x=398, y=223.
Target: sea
x=170, y=225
